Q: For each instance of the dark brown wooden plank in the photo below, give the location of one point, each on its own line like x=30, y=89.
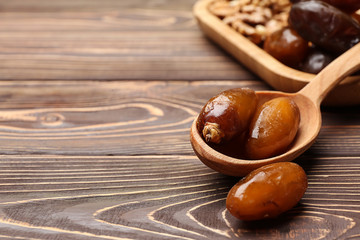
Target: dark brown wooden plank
x=85, y=160
x=94, y=5
x=164, y=197
x=101, y=118
x=129, y=118
x=88, y=159
x=121, y=44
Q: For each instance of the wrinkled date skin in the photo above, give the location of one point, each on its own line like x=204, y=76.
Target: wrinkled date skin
x=349, y=6
x=287, y=46
x=227, y=114
x=273, y=128
x=324, y=25
x=267, y=191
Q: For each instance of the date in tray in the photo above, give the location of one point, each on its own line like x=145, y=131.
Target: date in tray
x=276, y=74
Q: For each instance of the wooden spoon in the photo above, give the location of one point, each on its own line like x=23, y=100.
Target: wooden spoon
x=308, y=100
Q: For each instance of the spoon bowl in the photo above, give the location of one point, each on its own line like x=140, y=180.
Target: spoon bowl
x=305, y=136
x=308, y=100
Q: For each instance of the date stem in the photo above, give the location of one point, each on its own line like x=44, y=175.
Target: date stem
x=212, y=132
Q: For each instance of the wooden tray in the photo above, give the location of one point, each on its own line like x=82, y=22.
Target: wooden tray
x=276, y=74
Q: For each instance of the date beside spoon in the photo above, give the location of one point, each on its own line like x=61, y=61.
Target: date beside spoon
x=308, y=100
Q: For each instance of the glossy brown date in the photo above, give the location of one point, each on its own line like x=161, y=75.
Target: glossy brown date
x=227, y=114
x=324, y=25
x=316, y=61
x=273, y=128
x=349, y=6
x=267, y=191
x=287, y=46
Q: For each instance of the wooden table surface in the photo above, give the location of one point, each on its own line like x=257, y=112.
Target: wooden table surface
x=97, y=98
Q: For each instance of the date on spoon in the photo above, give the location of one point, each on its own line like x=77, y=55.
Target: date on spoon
x=307, y=99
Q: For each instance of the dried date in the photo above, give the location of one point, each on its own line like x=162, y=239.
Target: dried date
x=287, y=46
x=227, y=114
x=324, y=25
x=273, y=128
x=267, y=191
x=349, y=6
x=316, y=60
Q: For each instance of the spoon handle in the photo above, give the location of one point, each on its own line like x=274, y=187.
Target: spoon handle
x=329, y=77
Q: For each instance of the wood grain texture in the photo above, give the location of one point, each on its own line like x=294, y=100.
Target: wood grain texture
x=96, y=102
x=99, y=43
x=98, y=160
x=93, y=118
x=93, y=5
